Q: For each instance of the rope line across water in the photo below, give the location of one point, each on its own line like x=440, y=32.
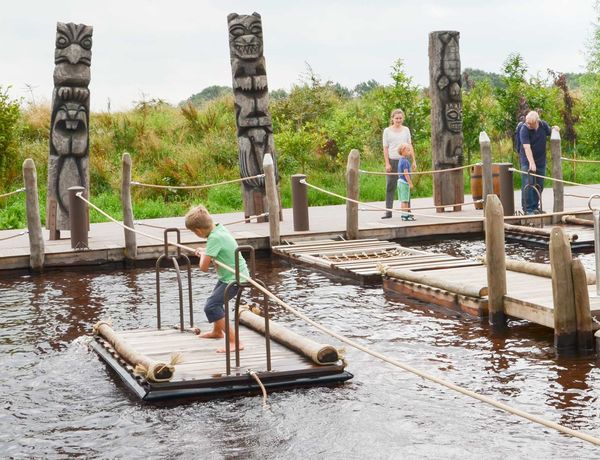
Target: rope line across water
x=194, y=187
x=382, y=357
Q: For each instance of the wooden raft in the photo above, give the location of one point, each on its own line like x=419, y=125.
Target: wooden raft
x=528, y=296
x=202, y=374
x=581, y=236
x=359, y=259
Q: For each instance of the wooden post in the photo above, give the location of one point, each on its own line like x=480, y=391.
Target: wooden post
x=130, y=239
x=272, y=199
x=557, y=187
x=352, y=192
x=446, y=118
x=496, y=263
x=34, y=224
x=300, y=203
x=585, y=332
x=565, y=321
x=486, y=158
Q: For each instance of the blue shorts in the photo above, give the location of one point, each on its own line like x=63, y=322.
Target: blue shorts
x=214, y=308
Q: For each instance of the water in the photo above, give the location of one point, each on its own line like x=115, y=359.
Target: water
x=59, y=400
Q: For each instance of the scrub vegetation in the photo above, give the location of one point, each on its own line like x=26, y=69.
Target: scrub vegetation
x=316, y=124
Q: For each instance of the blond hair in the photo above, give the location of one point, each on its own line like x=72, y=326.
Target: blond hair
x=394, y=113
x=405, y=147
x=198, y=218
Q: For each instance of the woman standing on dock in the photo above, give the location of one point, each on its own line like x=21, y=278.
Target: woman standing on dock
x=393, y=137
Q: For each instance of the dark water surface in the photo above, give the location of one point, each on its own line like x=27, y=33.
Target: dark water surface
x=59, y=400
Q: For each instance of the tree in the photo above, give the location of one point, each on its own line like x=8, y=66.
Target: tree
x=9, y=118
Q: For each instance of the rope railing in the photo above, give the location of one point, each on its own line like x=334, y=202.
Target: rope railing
x=553, y=179
x=415, y=173
x=14, y=192
x=14, y=236
x=194, y=187
x=258, y=216
x=574, y=160
x=380, y=356
x=380, y=208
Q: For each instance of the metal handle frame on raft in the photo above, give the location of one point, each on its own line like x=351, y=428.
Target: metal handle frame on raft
x=241, y=286
x=174, y=258
x=535, y=187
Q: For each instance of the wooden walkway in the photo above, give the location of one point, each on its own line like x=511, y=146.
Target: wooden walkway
x=107, y=242
x=528, y=296
x=202, y=373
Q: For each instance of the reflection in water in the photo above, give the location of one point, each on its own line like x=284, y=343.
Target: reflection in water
x=65, y=402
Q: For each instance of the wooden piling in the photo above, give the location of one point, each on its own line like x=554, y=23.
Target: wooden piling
x=495, y=254
x=486, y=158
x=585, y=332
x=565, y=320
x=272, y=199
x=352, y=192
x=34, y=224
x=557, y=187
x=130, y=239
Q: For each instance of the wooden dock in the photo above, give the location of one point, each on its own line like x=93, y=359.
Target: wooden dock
x=202, y=373
x=360, y=259
x=528, y=296
x=107, y=242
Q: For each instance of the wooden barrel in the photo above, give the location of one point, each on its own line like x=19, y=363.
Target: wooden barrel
x=477, y=182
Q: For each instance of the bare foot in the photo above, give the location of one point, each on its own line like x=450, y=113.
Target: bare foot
x=222, y=350
x=212, y=335
x=194, y=330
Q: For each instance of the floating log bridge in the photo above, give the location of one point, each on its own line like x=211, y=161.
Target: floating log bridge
x=528, y=296
x=359, y=259
x=201, y=371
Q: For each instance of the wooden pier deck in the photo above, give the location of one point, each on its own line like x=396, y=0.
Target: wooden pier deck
x=528, y=296
x=106, y=240
x=202, y=373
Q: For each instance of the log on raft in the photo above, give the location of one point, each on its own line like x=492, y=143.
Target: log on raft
x=429, y=279
x=318, y=353
x=570, y=219
x=534, y=231
x=152, y=370
x=534, y=268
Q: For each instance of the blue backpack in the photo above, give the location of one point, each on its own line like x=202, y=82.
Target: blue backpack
x=517, y=138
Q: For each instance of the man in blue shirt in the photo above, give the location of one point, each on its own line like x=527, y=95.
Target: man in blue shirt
x=532, y=153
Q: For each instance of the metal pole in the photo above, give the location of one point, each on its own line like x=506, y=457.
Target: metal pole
x=597, y=248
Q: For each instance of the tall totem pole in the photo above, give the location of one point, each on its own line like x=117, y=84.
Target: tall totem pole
x=446, y=118
x=251, y=93
x=69, y=125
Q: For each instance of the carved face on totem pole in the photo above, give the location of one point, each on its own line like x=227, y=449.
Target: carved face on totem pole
x=254, y=126
x=69, y=136
x=449, y=83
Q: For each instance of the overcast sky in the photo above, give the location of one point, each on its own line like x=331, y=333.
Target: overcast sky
x=173, y=49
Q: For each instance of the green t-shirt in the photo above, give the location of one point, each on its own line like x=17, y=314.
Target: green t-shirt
x=221, y=246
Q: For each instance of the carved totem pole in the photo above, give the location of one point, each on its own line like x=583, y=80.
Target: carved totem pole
x=69, y=125
x=254, y=127
x=446, y=118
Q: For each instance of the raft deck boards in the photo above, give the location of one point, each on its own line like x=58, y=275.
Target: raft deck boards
x=359, y=259
x=202, y=373
x=528, y=296
x=583, y=242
